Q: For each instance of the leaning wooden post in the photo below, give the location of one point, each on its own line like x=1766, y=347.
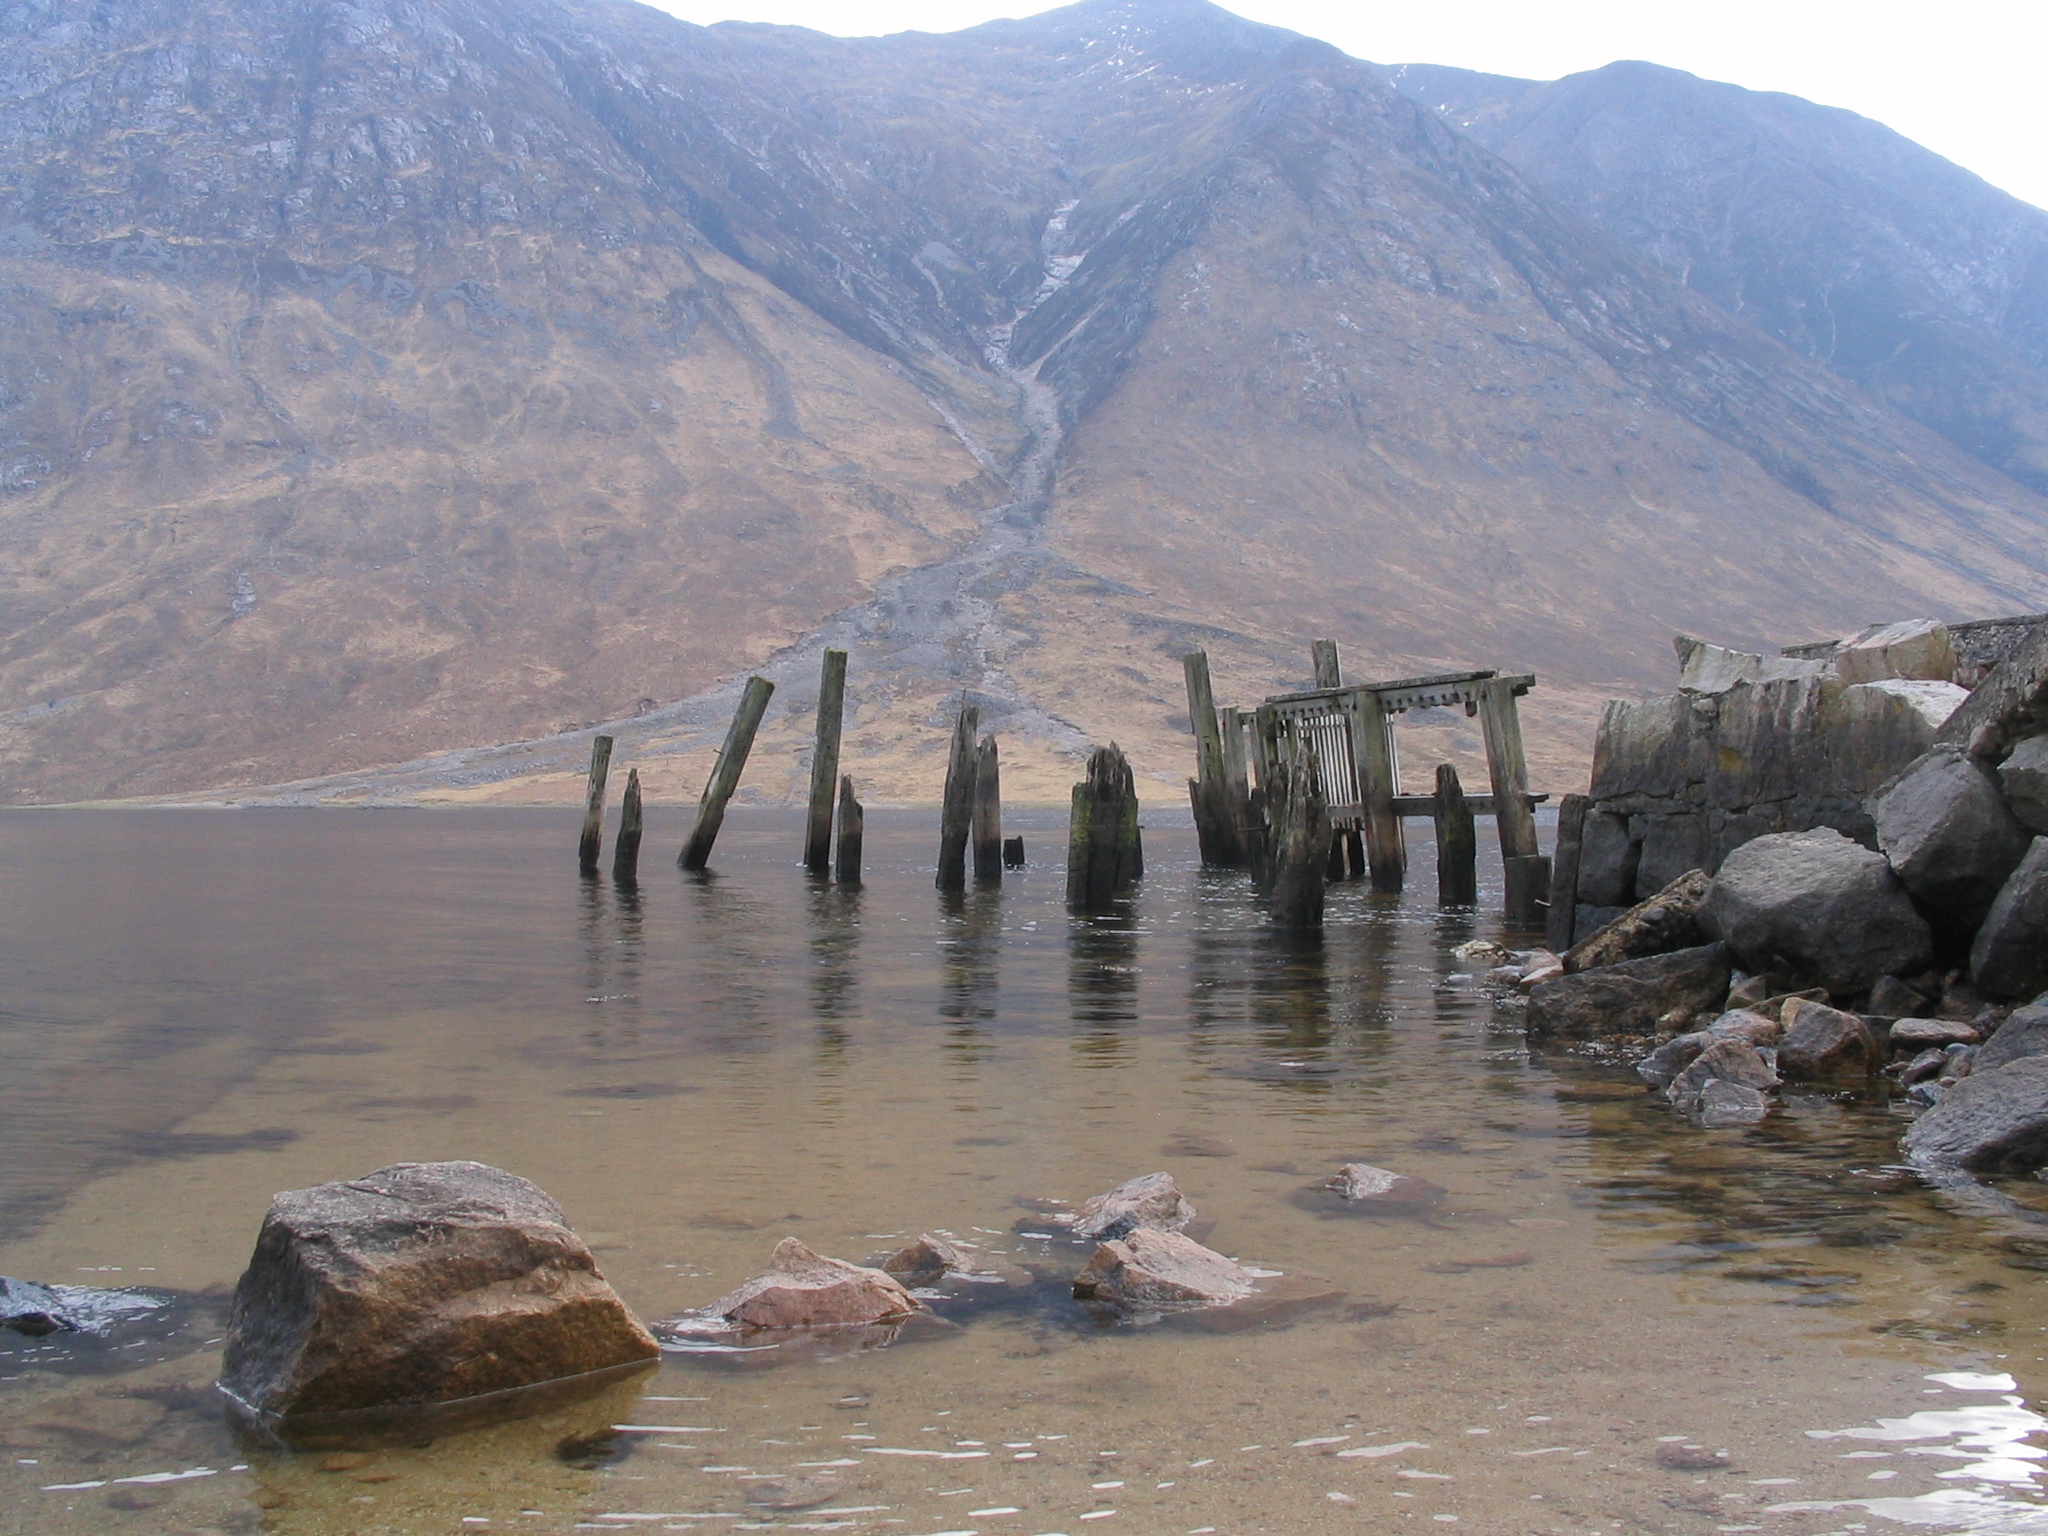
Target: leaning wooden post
x=988, y=814
x=1102, y=833
x=852, y=820
x=1564, y=874
x=825, y=761
x=956, y=808
x=1508, y=768
x=1457, y=843
x=1301, y=840
x=626, y=855
x=1208, y=791
x=593, y=805
x=725, y=775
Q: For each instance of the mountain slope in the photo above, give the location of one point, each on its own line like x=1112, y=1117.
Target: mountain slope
x=397, y=377
x=1851, y=244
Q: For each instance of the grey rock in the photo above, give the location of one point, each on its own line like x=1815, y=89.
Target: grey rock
x=1990, y=1122
x=1946, y=830
x=2008, y=706
x=1631, y=998
x=1891, y=998
x=1910, y=648
x=1724, y=1104
x=1591, y=920
x=2024, y=1033
x=1822, y=1043
x=1729, y=1061
x=1607, y=862
x=33, y=1309
x=1672, y=846
x=1151, y=1201
x=2024, y=779
x=1919, y=1034
x=1926, y=1094
x=1817, y=906
x=1704, y=667
x=805, y=1289
x=1924, y=1067
x=421, y=1284
x=924, y=1262
x=1151, y=1270
x=1372, y=1188
x=1751, y=1026
x=1672, y=1057
x=2009, y=956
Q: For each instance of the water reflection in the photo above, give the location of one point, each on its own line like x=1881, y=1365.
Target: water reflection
x=1102, y=984
x=612, y=935
x=970, y=948
x=833, y=915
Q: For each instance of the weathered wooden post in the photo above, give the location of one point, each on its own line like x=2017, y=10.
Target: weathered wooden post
x=1500, y=724
x=1301, y=840
x=956, y=807
x=1328, y=673
x=725, y=774
x=852, y=821
x=1528, y=891
x=1562, y=920
x=1457, y=843
x=626, y=855
x=988, y=814
x=1208, y=791
x=825, y=761
x=1372, y=747
x=592, y=841
x=1013, y=853
x=1103, y=853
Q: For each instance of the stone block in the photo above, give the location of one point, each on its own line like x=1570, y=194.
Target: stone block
x=1608, y=860
x=2009, y=957
x=1671, y=845
x=1910, y=648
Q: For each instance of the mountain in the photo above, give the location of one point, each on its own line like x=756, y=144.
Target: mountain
x=391, y=378
x=1852, y=245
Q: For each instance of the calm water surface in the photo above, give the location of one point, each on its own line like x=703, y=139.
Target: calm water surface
x=198, y=1009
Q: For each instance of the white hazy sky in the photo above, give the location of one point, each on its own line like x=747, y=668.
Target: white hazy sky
x=1966, y=78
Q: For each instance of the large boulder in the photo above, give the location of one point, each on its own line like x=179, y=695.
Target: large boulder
x=419, y=1286
x=1636, y=997
x=2024, y=1033
x=1151, y=1201
x=2024, y=778
x=1817, y=906
x=2009, y=957
x=1910, y=648
x=1149, y=1270
x=804, y=1289
x=1822, y=1043
x=1946, y=830
x=1668, y=920
x=1989, y=1122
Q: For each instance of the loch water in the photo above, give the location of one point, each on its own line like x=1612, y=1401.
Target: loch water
x=199, y=1008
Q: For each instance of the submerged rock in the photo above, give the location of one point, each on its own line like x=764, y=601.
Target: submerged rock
x=1662, y=1065
x=1822, y=1042
x=1154, y=1271
x=1723, y=1104
x=1992, y=1121
x=1819, y=907
x=924, y=1262
x=420, y=1286
x=804, y=1289
x=1730, y=1061
x=1633, y=997
x=1382, y=1190
x=1150, y=1202
x=38, y=1310
x=33, y=1309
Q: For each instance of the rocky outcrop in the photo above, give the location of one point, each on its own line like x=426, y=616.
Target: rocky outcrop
x=1150, y=1270
x=1668, y=920
x=2009, y=956
x=804, y=1289
x=1382, y=1191
x=1151, y=1202
x=1992, y=1121
x=1822, y=1044
x=1635, y=997
x=1945, y=829
x=1814, y=905
x=419, y=1286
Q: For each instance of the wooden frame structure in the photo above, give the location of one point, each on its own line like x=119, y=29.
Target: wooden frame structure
x=1348, y=732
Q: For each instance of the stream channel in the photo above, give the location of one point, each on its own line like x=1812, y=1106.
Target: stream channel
x=200, y=1008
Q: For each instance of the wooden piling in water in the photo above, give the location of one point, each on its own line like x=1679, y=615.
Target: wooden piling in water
x=1301, y=840
x=852, y=822
x=1216, y=817
x=825, y=761
x=1386, y=848
x=1509, y=769
x=1528, y=891
x=1013, y=853
x=1104, y=853
x=725, y=774
x=592, y=841
x=626, y=854
x=1561, y=921
x=987, y=827
x=956, y=808
x=1457, y=843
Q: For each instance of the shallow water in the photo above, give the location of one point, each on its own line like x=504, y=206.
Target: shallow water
x=198, y=1009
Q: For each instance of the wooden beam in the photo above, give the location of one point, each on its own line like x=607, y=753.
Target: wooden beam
x=1457, y=843
x=956, y=809
x=1500, y=724
x=592, y=841
x=626, y=853
x=825, y=761
x=725, y=773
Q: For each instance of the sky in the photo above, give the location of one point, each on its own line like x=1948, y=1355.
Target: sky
x=1965, y=78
